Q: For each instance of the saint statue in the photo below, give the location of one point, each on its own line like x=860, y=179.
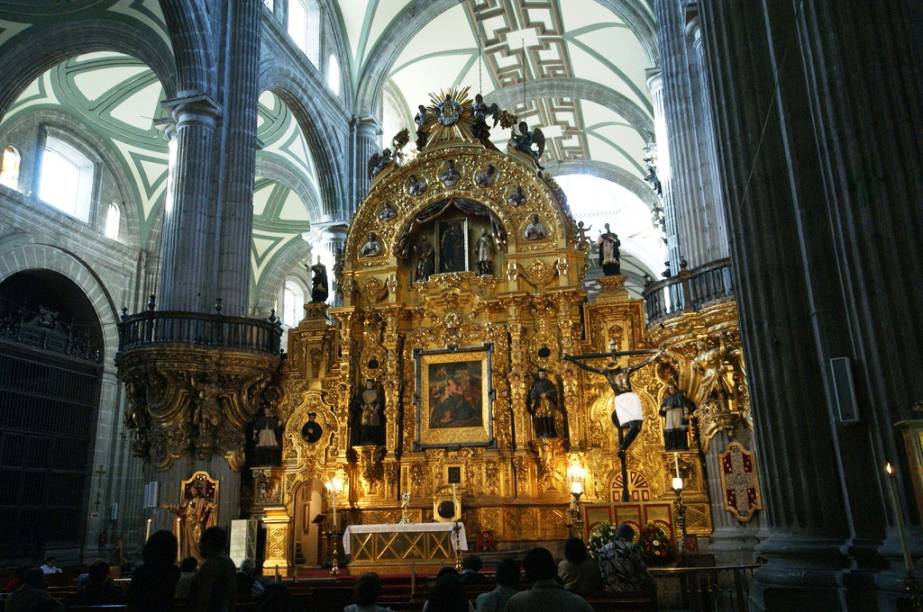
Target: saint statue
x=485, y=249
x=676, y=409
x=609, y=256
x=196, y=514
x=486, y=177
x=517, y=197
x=319, y=288
x=628, y=411
x=312, y=431
x=386, y=213
x=543, y=406
x=371, y=247
x=535, y=230
x=266, y=430
x=452, y=249
x=369, y=409
x=426, y=259
x=449, y=175
x=415, y=185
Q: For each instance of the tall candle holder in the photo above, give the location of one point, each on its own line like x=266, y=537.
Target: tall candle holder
x=334, y=486
x=911, y=584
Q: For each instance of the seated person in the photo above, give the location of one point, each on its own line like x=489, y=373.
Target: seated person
x=368, y=588
x=448, y=594
x=187, y=568
x=31, y=595
x=50, y=567
x=17, y=579
x=507, y=583
x=621, y=565
x=471, y=567
x=248, y=585
x=546, y=594
x=99, y=588
x=577, y=570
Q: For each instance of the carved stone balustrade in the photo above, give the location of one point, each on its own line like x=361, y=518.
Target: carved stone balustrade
x=194, y=381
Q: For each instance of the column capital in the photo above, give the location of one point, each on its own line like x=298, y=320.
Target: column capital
x=197, y=108
x=654, y=77
x=367, y=125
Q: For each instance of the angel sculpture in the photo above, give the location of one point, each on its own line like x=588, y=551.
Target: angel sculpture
x=482, y=110
x=523, y=140
x=399, y=141
x=378, y=161
x=420, y=120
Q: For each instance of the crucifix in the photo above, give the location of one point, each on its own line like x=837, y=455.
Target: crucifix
x=628, y=414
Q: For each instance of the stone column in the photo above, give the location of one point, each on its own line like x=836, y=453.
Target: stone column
x=241, y=89
x=864, y=81
x=664, y=166
x=366, y=131
x=822, y=269
x=188, y=243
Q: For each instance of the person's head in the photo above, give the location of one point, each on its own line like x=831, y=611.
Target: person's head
x=539, y=565
x=368, y=588
x=523, y=127
x=575, y=550
x=160, y=549
x=625, y=532
x=50, y=561
x=451, y=386
x=534, y=218
x=248, y=567
x=213, y=541
x=448, y=594
x=508, y=572
x=34, y=577
x=542, y=374
x=99, y=571
x=671, y=389
x=473, y=563
x=369, y=383
x=188, y=565
x=197, y=489
x=478, y=98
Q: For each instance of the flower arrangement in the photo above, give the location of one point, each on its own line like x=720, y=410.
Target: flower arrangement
x=601, y=535
x=656, y=545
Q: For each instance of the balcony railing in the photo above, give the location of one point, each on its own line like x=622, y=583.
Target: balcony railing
x=689, y=290
x=154, y=327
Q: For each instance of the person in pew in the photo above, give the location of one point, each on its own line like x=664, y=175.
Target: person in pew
x=32, y=596
x=214, y=588
x=99, y=588
x=17, y=579
x=507, y=581
x=546, y=594
x=448, y=594
x=153, y=583
x=248, y=585
x=621, y=565
x=187, y=568
x=368, y=588
x=471, y=568
x=578, y=572
x=50, y=566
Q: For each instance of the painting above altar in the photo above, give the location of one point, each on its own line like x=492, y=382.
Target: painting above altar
x=454, y=395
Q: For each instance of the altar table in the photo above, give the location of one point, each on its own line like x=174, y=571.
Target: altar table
x=403, y=545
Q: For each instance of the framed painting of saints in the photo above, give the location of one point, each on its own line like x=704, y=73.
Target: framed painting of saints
x=452, y=241
x=454, y=395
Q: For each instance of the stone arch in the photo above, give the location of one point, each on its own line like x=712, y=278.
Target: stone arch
x=293, y=180
x=607, y=171
x=388, y=47
x=190, y=32
x=638, y=16
x=318, y=123
x=39, y=48
x=20, y=252
x=77, y=129
x=284, y=264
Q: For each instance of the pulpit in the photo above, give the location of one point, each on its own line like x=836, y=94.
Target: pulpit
x=399, y=548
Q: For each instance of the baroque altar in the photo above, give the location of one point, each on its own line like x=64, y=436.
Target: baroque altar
x=461, y=290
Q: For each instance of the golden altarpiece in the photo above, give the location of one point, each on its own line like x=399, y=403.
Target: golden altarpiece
x=421, y=331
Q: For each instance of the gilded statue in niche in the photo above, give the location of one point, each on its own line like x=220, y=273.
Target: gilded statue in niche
x=486, y=250
x=452, y=251
x=368, y=408
x=426, y=259
x=676, y=410
x=372, y=246
x=535, y=229
x=544, y=406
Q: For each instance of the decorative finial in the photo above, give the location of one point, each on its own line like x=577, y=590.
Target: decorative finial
x=151, y=302
x=124, y=312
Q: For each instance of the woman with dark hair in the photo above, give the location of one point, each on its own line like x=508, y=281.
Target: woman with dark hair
x=368, y=588
x=153, y=584
x=577, y=570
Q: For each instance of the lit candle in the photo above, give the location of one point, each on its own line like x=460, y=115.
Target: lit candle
x=147, y=530
x=178, y=525
x=454, y=500
x=901, y=532
x=676, y=462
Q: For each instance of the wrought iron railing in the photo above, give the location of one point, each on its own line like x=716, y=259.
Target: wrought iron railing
x=689, y=290
x=155, y=327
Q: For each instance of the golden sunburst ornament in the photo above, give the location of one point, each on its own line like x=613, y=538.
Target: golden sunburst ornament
x=451, y=113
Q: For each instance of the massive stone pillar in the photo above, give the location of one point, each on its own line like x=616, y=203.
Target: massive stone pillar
x=816, y=194
x=664, y=170
x=366, y=131
x=188, y=223
x=235, y=195
x=691, y=191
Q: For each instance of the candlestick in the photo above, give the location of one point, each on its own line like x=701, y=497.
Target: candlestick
x=454, y=500
x=676, y=463
x=147, y=530
x=178, y=526
x=898, y=511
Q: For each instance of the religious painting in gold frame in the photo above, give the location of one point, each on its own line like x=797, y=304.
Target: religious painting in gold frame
x=454, y=397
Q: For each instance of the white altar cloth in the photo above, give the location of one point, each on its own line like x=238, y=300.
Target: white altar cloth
x=414, y=527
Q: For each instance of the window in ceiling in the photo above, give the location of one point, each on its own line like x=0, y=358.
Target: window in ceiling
x=304, y=27
x=292, y=302
x=333, y=74
x=66, y=179
x=9, y=167
x=113, y=218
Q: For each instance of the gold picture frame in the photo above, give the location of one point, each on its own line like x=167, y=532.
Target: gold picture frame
x=454, y=397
